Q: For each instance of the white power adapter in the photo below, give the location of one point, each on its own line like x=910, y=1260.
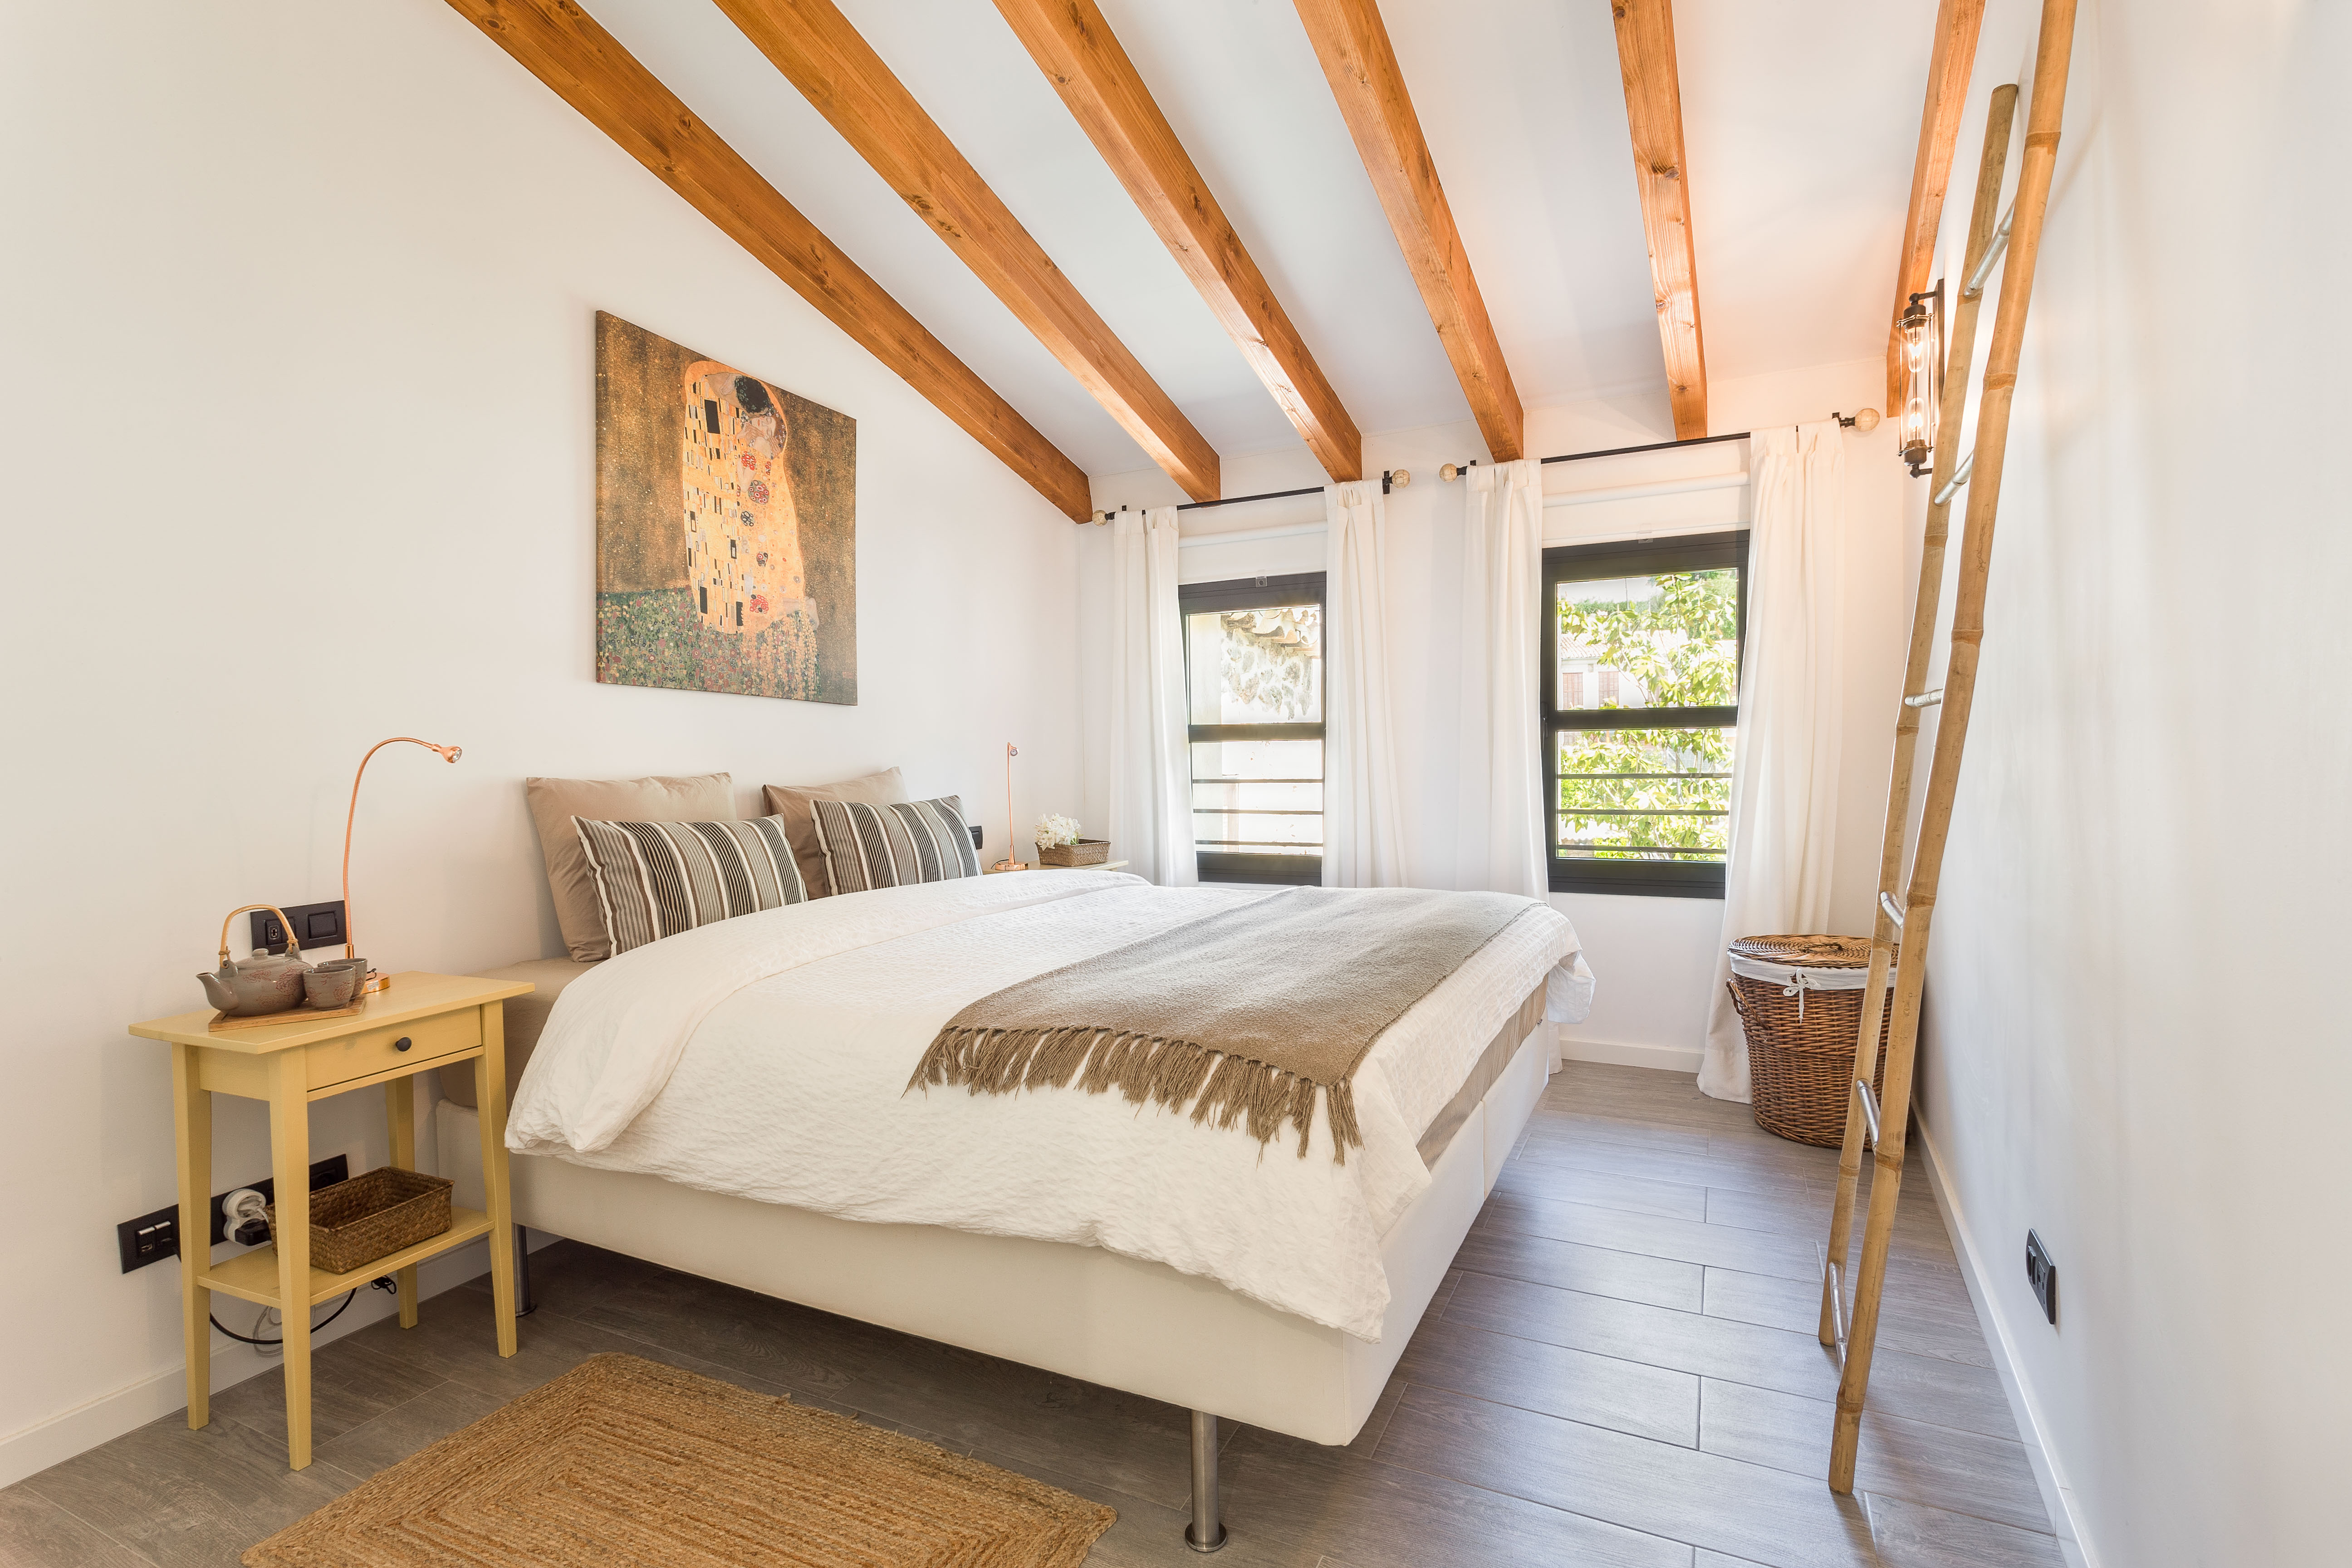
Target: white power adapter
x=244, y=1214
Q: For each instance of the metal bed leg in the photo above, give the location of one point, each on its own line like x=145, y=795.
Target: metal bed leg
x=1207, y=1530
x=526, y=1303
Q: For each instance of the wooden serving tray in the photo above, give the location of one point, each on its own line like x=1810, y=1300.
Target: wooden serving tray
x=222, y=1023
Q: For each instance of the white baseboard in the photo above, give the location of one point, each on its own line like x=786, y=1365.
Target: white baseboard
x=2057, y=1496
x=32, y=1449
x=1662, y=1059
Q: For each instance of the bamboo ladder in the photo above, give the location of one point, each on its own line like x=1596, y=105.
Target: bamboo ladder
x=1854, y=1334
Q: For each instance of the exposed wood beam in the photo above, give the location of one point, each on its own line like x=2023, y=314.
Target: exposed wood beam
x=1949, y=68
x=1080, y=55
x=564, y=47
x=1653, y=109
x=819, y=52
x=1361, y=67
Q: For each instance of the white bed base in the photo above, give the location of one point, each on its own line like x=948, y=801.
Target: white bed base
x=1078, y=1311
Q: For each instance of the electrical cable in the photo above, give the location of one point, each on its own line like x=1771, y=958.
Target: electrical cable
x=248, y=1339
x=246, y=1203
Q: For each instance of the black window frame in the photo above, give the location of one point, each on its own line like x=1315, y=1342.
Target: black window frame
x=1632, y=558
x=1253, y=594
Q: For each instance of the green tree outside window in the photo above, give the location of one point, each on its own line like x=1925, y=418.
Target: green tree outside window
x=1674, y=643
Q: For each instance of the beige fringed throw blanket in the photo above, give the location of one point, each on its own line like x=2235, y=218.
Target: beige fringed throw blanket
x=1245, y=1013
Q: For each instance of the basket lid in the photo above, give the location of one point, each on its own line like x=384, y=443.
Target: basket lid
x=1807, y=951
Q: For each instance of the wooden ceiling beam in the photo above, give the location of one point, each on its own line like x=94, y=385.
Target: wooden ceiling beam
x=1080, y=55
x=812, y=44
x=564, y=47
x=1361, y=67
x=1957, y=22
x=1653, y=111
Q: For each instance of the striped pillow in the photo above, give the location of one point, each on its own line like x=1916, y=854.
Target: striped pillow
x=869, y=846
x=657, y=879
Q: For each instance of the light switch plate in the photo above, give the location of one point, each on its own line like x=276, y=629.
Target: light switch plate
x=316, y=925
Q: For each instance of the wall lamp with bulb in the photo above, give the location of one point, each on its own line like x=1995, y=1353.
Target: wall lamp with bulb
x=1922, y=327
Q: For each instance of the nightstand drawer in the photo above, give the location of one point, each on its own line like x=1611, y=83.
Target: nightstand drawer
x=395, y=1046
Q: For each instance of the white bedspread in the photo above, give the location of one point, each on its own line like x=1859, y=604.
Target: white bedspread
x=768, y=1056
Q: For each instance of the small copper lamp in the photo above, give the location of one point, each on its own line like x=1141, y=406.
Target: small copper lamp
x=1009, y=863
x=375, y=981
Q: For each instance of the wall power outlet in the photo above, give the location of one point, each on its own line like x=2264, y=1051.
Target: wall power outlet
x=316, y=926
x=324, y=1173
x=152, y=1237
x=2042, y=1275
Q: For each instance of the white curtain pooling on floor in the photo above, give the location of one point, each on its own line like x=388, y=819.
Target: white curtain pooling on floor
x=1784, y=777
x=1150, y=762
x=1363, y=841
x=1499, y=837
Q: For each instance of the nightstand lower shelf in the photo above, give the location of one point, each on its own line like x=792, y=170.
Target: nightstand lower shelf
x=253, y=1276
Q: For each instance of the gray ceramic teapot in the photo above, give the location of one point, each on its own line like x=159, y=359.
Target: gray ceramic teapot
x=262, y=983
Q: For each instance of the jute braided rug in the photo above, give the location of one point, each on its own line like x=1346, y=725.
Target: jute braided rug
x=623, y=1461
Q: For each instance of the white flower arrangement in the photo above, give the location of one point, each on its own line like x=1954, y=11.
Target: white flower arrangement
x=1053, y=830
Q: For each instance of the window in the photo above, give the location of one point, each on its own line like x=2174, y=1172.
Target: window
x=1641, y=711
x=1253, y=682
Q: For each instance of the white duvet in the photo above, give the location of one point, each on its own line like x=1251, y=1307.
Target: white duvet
x=768, y=1056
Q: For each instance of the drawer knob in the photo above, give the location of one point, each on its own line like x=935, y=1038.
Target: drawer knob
x=401, y=1043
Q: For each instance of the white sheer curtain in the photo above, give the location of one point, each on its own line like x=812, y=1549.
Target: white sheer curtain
x=1784, y=778
x=1150, y=764
x=1363, y=843
x=1499, y=837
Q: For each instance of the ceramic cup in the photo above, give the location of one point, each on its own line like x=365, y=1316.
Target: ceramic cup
x=333, y=984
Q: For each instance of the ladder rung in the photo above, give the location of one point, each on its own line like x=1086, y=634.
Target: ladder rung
x=1837, y=1306
x=1944, y=491
x=1977, y=278
x=1925, y=699
x=1869, y=1106
x=1893, y=910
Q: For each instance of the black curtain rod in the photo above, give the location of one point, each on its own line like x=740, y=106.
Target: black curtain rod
x=1652, y=447
x=1563, y=457
x=1845, y=419
x=1236, y=500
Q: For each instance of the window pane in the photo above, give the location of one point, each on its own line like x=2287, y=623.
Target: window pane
x=1256, y=667
x=1644, y=795
x=1668, y=639
x=1258, y=797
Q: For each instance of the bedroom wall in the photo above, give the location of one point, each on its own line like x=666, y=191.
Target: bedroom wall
x=297, y=453
x=1653, y=957
x=2135, y=1036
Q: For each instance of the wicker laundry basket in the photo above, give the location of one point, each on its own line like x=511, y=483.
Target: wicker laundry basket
x=1800, y=1003
x=355, y=1223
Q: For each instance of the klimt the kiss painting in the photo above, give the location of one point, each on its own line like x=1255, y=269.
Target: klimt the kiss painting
x=726, y=527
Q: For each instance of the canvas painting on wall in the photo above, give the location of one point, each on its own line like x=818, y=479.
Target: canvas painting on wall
x=726, y=527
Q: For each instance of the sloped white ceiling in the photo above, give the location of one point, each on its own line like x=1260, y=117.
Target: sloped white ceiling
x=1801, y=123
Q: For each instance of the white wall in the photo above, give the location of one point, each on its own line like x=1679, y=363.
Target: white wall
x=1653, y=957
x=2137, y=1037
x=295, y=452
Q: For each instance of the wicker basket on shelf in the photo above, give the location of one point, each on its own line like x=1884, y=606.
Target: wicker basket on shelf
x=1085, y=852
x=1800, y=1003
x=355, y=1223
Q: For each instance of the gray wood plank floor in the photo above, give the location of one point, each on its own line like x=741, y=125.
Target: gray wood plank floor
x=1621, y=1371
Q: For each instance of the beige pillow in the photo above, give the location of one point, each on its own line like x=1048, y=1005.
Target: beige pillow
x=790, y=802
x=555, y=802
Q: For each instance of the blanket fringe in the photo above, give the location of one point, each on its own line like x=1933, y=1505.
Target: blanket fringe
x=1147, y=1071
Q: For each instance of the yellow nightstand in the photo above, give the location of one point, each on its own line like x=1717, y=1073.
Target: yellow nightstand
x=1034, y=865
x=423, y=1021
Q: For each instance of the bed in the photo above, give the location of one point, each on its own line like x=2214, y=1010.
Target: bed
x=736, y=1102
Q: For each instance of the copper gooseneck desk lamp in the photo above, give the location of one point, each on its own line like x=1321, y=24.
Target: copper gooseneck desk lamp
x=1010, y=863
x=375, y=981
